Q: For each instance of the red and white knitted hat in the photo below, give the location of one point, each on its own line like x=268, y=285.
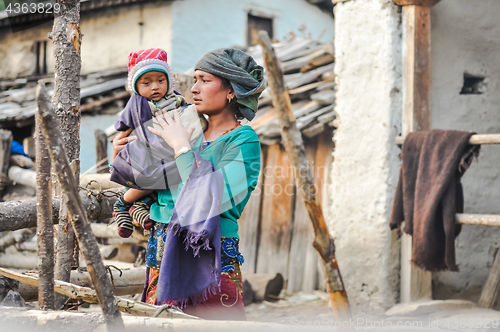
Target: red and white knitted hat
x=152, y=59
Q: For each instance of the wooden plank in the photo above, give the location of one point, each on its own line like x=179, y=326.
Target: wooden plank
x=301, y=271
x=5, y=143
x=474, y=139
x=417, y=78
x=491, y=290
x=277, y=209
x=249, y=223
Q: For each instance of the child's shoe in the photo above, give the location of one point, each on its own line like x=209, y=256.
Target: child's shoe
x=123, y=218
x=140, y=212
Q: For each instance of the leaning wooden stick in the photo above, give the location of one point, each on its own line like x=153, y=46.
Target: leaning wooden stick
x=294, y=146
x=77, y=214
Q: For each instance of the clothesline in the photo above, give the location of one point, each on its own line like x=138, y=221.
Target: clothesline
x=474, y=140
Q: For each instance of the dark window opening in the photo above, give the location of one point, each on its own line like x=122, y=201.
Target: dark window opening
x=473, y=85
x=41, y=57
x=256, y=24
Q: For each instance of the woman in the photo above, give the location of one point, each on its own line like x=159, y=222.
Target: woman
x=227, y=86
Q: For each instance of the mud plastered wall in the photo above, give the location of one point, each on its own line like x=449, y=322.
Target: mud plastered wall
x=465, y=50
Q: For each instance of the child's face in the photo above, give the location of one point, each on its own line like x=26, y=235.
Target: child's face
x=152, y=85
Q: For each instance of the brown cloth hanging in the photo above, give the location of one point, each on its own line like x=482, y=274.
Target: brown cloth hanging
x=429, y=194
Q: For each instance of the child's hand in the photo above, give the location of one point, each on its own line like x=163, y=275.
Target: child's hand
x=173, y=131
x=121, y=140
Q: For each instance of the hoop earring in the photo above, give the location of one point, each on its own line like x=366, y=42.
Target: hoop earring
x=230, y=100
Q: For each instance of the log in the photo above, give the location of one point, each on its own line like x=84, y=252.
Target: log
x=45, y=226
x=21, y=161
x=292, y=140
x=16, y=215
x=5, y=143
x=22, y=176
x=16, y=237
x=89, y=295
x=20, y=260
x=98, y=181
x=76, y=212
x=101, y=151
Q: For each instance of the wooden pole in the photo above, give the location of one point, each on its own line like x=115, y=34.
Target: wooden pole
x=491, y=290
x=45, y=226
x=5, y=143
x=76, y=213
x=417, y=82
x=67, y=39
x=294, y=146
x=101, y=151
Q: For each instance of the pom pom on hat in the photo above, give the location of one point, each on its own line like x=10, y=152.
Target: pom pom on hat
x=152, y=59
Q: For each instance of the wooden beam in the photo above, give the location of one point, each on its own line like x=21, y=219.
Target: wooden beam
x=474, y=139
x=294, y=146
x=425, y=3
x=417, y=78
x=417, y=81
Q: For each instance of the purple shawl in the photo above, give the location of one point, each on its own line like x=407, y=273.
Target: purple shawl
x=148, y=162
x=191, y=266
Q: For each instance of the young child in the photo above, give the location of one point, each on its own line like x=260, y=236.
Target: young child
x=144, y=164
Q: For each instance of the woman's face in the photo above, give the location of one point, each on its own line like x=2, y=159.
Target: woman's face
x=209, y=95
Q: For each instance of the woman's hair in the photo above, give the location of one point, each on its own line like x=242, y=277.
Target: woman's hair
x=233, y=105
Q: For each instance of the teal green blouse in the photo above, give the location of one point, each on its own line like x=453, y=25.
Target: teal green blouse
x=237, y=155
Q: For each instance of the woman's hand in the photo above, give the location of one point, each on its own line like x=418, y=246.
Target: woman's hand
x=173, y=131
x=120, y=141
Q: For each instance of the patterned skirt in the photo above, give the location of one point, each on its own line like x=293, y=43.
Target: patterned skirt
x=227, y=304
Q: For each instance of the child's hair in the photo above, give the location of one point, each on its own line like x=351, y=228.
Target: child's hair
x=143, y=61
